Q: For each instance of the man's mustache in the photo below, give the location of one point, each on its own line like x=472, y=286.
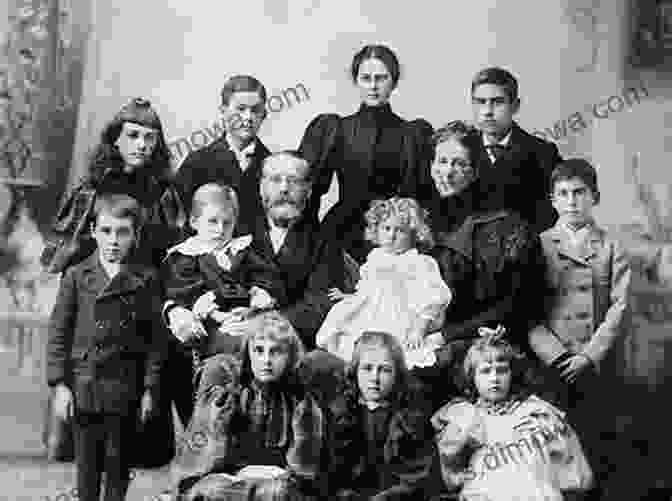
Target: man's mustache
x=284, y=201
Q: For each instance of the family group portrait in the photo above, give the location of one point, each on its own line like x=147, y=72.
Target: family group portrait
x=377, y=306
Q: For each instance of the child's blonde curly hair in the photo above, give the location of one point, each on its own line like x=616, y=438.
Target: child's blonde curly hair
x=408, y=211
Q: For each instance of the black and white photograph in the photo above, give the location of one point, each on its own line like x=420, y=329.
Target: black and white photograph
x=312, y=250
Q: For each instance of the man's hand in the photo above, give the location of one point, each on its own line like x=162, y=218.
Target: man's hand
x=205, y=305
x=147, y=406
x=184, y=325
x=573, y=367
x=64, y=402
x=260, y=299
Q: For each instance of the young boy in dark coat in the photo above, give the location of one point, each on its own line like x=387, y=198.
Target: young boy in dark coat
x=105, y=349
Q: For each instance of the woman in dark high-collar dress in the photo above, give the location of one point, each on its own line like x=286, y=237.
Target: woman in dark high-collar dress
x=491, y=259
x=375, y=153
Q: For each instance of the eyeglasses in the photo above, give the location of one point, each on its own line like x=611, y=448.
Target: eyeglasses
x=294, y=181
x=459, y=163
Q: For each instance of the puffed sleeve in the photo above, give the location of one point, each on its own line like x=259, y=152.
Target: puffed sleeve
x=308, y=430
x=69, y=240
x=454, y=425
x=319, y=147
x=429, y=294
x=417, y=182
x=206, y=443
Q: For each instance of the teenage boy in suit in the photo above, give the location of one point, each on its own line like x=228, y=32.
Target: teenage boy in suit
x=105, y=349
x=514, y=166
x=234, y=159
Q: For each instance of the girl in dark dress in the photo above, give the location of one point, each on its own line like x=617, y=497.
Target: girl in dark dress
x=380, y=433
x=132, y=158
x=375, y=153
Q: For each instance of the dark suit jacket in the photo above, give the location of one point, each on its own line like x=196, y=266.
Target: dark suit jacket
x=347, y=146
x=217, y=163
x=309, y=266
x=519, y=181
x=106, y=340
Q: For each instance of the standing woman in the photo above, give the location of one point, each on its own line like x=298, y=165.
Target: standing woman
x=132, y=159
x=375, y=153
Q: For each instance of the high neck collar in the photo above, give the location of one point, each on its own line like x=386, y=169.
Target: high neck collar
x=376, y=112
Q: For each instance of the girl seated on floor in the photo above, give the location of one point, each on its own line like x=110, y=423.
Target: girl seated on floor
x=255, y=432
x=401, y=290
x=502, y=443
x=381, y=443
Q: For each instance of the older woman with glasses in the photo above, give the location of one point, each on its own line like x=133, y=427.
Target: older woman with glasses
x=490, y=259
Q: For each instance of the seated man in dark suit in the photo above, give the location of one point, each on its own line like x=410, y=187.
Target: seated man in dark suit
x=515, y=166
x=235, y=158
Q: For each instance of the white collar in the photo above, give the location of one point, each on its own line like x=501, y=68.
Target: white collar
x=504, y=141
x=111, y=269
x=245, y=152
x=372, y=405
x=194, y=246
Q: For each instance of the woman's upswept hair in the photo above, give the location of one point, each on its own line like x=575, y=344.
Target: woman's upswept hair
x=275, y=326
x=457, y=130
x=408, y=211
x=377, y=339
x=105, y=157
x=492, y=345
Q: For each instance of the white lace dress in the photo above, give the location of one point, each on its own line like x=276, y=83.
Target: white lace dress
x=396, y=291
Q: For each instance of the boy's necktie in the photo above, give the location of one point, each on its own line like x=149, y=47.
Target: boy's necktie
x=496, y=150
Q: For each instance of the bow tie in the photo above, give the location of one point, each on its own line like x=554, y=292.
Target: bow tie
x=497, y=150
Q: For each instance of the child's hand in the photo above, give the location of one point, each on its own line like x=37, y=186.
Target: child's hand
x=260, y=299
x=573, y=367
x=64, y=402
x=336, y=294
x=205, y=305
x=415, y=340
x=184, y=325
x=147, y=406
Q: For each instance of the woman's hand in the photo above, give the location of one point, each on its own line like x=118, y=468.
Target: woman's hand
x=184, y=325
x=64, y=402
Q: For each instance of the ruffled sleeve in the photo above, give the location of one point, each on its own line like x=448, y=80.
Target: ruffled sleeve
x=428, y=293
x=456, y=425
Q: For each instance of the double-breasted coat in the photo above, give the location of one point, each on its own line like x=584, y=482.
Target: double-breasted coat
x=587, y=308
x=106, y=340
